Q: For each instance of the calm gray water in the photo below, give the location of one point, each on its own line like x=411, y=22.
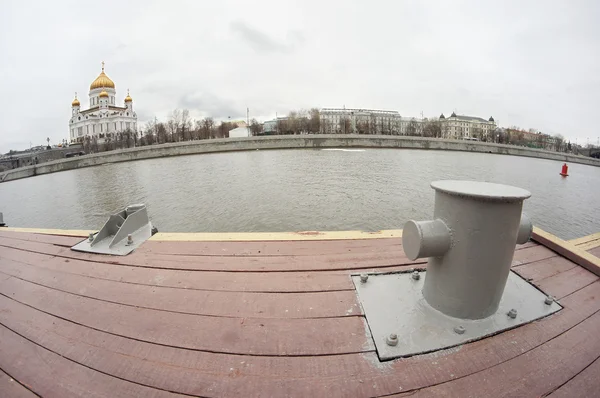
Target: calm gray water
x=293, y=190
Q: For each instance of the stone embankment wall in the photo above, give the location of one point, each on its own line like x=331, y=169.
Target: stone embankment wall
x=287, y=142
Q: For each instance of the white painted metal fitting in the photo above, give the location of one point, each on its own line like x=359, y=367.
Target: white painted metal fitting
x=470, y=244
x=91, y=236
x=549, y=300
x=129, y=239
x=364, y=278
x=415, y=275
x=392, y=339
x=459, y=329
x=512, y=313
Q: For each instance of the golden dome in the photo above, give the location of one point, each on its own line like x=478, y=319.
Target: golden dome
x=102, y=81
x=103, y=94
x=75, y=101
x=128, y=98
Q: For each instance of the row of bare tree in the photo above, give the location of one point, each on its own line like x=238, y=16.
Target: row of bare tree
x=181, y=127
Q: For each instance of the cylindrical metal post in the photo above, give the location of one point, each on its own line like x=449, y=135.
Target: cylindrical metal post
x=484, y=224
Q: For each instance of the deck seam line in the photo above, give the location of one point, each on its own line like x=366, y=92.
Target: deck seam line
x=187, y=348
x=174, y=312
x=99, y=371
x=18, y=382
x=214, y=270
x=575, y=375
x=499, y=363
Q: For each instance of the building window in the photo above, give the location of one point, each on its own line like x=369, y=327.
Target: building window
x=93, y=128
x=126, y=124
x=101, y=129
x=87, y=129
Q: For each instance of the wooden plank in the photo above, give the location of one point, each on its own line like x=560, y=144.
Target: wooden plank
x=568, y=250
x=252, y=336
x=205, y=280
x=11, y=388
x=532, y=254
x=546, y=368
x=206, y=373
x=58, y=240
x=585, y=239
x=200, y=302
x=585, y=384
x=590, y=245
x=281, y=236
x=51, y=375
x=563, y=284
x=546, y=268
x=349, y=261
x=271, y=248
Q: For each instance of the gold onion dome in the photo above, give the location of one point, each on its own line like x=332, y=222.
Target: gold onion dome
x=103, y=94
x=102, y=81
x=75, y=102
x=128, y=98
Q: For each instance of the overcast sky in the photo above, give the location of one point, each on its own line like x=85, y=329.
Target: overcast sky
x=534, y=64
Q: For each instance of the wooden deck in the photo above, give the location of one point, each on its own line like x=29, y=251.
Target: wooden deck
x=267, y=318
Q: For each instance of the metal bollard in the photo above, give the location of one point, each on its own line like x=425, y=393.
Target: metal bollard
x=470, y=245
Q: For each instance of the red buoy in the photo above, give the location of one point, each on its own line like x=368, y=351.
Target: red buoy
x=565, y=170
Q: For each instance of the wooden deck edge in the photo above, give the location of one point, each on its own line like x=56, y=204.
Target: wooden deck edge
x=276, y=236
x=45, y=231
x=585, y=240
x=567, y=250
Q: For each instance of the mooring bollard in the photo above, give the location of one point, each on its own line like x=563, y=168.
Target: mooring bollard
x=470, y=245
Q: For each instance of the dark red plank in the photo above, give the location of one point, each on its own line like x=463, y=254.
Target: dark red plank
x=532, y=254
x=535, y=373
x=564, y=283
x=205, y=280
x=252, y=336
x=541, y=269
x=271, y=248
x=585, y=384
x=59, y=240
x=213, y=303
x=238, y=264
x=205, y=373
x=10, y=388
x=51, y=375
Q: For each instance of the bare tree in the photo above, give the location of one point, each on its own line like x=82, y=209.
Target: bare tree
x=314, y=121
x=255, y=127
x=185, y=124
x=558, y=142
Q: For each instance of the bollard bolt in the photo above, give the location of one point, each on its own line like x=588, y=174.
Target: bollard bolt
x=459, y=329
x=129, y=239
x=91, y=236
x=512, y=313
x=549, y=300
x=392, y=339
x=415, y=275
x=364, y=278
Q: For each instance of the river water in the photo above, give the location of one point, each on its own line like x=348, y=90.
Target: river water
x=296, y=190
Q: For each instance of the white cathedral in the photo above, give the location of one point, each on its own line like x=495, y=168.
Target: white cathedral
x=103, y=118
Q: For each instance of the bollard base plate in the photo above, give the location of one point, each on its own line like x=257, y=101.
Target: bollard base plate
x=394, y=303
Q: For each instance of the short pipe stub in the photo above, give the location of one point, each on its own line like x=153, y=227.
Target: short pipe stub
x=422, y=239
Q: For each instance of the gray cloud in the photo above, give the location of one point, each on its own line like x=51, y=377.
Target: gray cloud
x=263, y=43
